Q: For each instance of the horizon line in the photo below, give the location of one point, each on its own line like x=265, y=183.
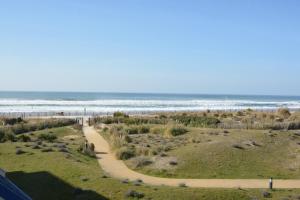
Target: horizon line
x=155, y=93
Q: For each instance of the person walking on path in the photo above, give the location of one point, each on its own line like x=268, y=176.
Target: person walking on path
x=271, y=183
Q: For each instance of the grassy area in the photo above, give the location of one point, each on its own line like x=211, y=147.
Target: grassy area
x=10, y=127
x=239, y=154
x=59, y=175
x=246, y=119
x=181, y=150
x=234, y=154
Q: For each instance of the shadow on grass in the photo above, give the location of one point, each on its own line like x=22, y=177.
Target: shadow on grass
x=45, y=186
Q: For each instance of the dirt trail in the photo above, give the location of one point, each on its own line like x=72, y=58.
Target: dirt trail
x=119, y=170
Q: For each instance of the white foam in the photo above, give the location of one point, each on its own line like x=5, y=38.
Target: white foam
x=106, y=105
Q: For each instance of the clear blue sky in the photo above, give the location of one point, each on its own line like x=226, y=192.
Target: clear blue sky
x=231, y=47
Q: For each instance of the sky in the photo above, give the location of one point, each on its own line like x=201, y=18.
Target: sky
x=163, y=46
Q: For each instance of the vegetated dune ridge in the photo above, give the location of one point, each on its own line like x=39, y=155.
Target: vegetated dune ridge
x=117, y=169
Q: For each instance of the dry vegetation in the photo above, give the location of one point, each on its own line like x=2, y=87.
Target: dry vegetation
x=55, y=166
x=243, y=144
x=10, y=128
x=247, y=119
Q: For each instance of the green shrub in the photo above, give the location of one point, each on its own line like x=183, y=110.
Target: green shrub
x=196, y=121
x=2, y=135
x=19, y=128
x=249, y=110
x=12, y=121
x=134, y=194
x=140, y=161
x=239, y=113
x=129, y=120
x=143, y=129
x=142, y=151
x=162, y=116
x=10, y=137
x=223, y=115
x=28, y=127
x=127, y=139
x=124, y=153
x=294, y=126
x=182, y=185
x=120, y=114
x=132, y=130
x=48, y=149
x=24, y=138
x=20, y=151
x=176, y=130
x=50, y=137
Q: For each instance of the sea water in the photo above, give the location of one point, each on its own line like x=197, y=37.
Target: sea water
x=104, y=103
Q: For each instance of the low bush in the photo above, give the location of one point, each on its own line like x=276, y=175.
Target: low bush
x=173, y=162
x=143, y=129
x=132, y=130
x=294, y=126
x=142, y=151
x=196, y=121
x=129, y=120
x=283, y=112
x=162, y=116
x=134, y=194
x=20, y=151
x=120, y=114
x=50, y=137
x=2, y=136
x=127, y=139
x=279, y=126
x=20, y=128
x=124, y=153
x=47, y=150
x=176, y=130
x=182, y=185
x=239, y=113
x=125, y=181
x=12, y=121
x=237, y=146
x=140, y=161
x=35, y=146
x=24, y=138
x=64, y=150
x=10, y=137
x=266, y=194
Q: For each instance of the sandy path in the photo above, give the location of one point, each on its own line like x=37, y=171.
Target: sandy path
x=119, y=170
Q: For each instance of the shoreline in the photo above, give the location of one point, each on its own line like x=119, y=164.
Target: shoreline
x=131, y=113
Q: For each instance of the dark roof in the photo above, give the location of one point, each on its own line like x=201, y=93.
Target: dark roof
x=9, y=191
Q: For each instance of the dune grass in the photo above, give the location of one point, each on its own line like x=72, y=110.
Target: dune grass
x=266, y=157
x=59, y=175
x=229, y=154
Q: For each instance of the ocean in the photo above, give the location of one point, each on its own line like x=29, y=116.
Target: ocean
x=71, y=103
